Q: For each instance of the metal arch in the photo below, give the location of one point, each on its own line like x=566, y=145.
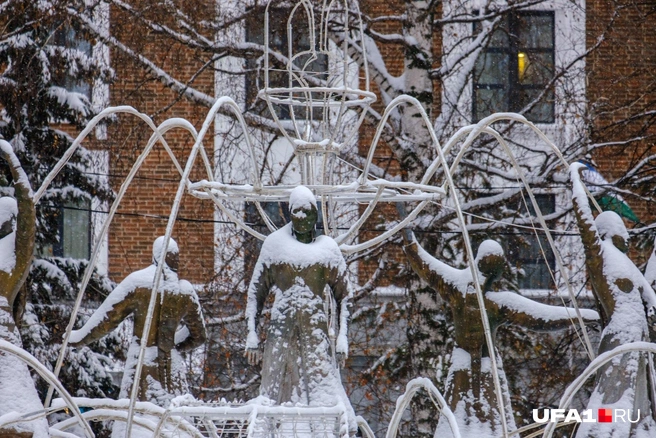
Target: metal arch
x=485, y=129
x=49, y=377
x=468, y=249
x=404, y=400
x=184, y=181
x=157, y=135
x=85, y=132
x=601, y=360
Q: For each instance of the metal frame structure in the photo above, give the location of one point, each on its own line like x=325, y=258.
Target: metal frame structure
x=315, y=144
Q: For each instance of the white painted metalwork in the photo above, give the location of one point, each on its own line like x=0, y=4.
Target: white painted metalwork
x=48, y=376
x=319, y=106
x=598, y=362
x=404, y=400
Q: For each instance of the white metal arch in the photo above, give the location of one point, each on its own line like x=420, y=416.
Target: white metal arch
x=598, y=362
x=49, y=377
x=404, y=400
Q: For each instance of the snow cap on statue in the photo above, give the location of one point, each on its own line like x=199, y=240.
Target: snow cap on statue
x=302, y=197
x=159, y=244
x=611, y=224
x=489, y=247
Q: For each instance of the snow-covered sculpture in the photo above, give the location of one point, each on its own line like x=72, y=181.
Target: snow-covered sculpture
x=622, y=294
x=163, y=376
x=17, y=234
x=469, y=388
x=296, y=265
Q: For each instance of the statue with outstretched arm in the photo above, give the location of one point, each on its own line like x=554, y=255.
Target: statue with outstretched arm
x=295, y=265
x=470, y=390
x=626, y=302
x=177, y=326
x=17, y=236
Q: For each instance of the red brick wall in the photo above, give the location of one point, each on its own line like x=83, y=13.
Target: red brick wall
x=145, y=210
x=622, y=82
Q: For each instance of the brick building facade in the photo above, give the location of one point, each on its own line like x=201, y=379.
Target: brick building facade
x=619, y=77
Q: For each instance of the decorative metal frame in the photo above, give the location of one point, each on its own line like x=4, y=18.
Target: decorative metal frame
x=314, y=144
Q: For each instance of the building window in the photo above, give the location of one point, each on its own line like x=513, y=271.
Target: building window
x=516, y=67
x=531, y=253
x=278, y=75
x=67, y=37
x=74, y=222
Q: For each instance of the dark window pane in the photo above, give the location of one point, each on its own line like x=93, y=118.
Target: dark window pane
x=499, y=38
x=75, y=232
x=515, y=67
x=542, y=111
x=67, y=36
x=534, y=68
x=489, y=101
x=492, y=68
x=535, y=31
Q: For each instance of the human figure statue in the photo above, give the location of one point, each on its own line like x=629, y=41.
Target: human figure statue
x=177, y=325
x=17, y=234
x=626, y=301
x=296, y=266
x=470, y=390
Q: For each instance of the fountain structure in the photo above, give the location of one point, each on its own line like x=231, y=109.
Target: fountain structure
x=325, y=113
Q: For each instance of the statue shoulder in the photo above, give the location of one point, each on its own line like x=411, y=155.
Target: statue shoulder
x=186, y=288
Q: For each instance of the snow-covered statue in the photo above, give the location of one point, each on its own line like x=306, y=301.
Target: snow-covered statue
x=469, y=388
x=178, y=325
x=298, y=367
x=626, y=302
x=17, y=234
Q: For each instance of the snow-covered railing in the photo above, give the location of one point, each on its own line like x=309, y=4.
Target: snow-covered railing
x=215, y=421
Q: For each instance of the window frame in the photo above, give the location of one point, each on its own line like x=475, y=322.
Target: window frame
x=512, y=50
x=59, y=248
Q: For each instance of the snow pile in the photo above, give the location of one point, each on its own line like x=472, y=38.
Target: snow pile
x=459, y=279
x=538, y=311
x=158, y=246
x=468, y=407
x=8, y=212
x=139, y=279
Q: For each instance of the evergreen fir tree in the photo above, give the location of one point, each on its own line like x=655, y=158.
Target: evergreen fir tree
x=46, y=72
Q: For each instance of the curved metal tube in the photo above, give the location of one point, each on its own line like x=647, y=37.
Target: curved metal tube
x=49, y=377
x=599, y=361
x=78, y=140
x=470, y=256
x=561, y=266
x=167, y=236
x=404, y=400
x=157, y=135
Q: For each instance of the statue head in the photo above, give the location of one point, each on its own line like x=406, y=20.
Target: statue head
x=490, y=259
x=8, y=214
x=304, y=213
x=172, y=253
x=611, y=226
